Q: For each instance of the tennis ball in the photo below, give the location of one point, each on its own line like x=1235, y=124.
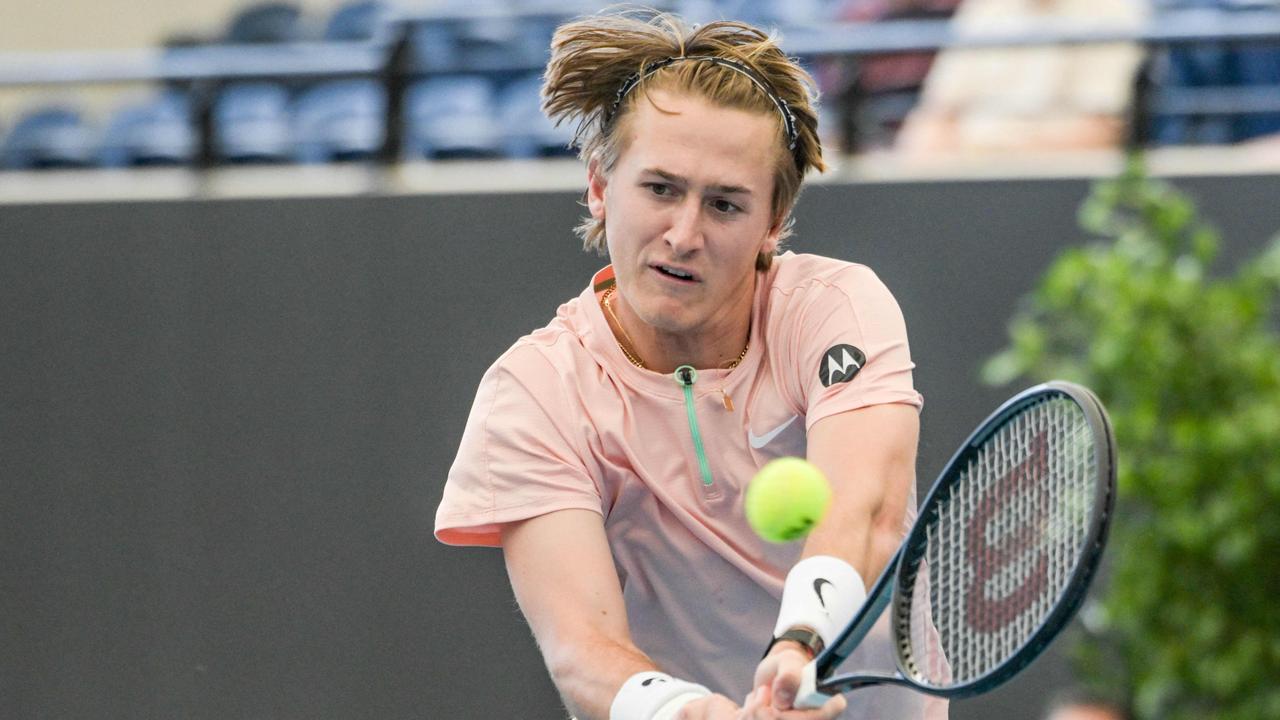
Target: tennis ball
x=786, y=499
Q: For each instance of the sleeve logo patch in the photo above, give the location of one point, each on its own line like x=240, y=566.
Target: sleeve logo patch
x=840, y=364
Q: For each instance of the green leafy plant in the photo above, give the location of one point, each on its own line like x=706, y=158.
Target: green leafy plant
x=1187, y=620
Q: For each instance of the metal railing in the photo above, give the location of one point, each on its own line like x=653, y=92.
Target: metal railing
x=390, y=59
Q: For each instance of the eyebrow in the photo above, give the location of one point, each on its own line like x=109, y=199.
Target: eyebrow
x=722, y=189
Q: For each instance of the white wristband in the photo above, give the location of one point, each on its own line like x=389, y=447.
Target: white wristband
x=652, y=695
x=822, y=593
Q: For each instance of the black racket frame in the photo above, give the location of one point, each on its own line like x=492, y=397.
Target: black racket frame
x=901, y=571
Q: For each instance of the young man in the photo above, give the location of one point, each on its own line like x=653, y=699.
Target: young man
x=607, y=453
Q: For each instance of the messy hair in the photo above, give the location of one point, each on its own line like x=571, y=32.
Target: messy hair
x=593, y=57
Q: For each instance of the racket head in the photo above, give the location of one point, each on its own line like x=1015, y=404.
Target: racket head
x=1006, y=543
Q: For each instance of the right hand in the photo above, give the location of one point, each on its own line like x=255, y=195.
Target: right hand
x=759, y=705
x=711, y=707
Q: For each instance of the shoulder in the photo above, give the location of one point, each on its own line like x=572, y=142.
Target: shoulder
x=808, y=280
x=549, y=359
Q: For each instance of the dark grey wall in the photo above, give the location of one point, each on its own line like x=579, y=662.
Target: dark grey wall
x=224, y=426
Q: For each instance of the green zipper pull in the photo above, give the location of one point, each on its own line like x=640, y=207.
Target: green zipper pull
x=686, y=376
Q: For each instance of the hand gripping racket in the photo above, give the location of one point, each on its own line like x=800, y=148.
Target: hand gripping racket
x=1000, y=556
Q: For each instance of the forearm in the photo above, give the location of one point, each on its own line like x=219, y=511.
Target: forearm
x=865, y=537
x=588, y=673
x=869, y=457
x=565, y=582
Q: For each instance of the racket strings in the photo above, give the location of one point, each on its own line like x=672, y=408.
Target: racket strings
x=1002, y=546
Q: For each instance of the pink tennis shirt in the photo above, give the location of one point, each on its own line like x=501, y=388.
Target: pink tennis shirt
x=563, y=420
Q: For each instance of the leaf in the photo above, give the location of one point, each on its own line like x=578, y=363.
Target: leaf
x=1188, y=365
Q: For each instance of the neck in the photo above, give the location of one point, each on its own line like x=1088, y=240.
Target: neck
x=721, y=346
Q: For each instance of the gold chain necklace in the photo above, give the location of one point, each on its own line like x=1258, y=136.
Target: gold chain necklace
x=635, y=360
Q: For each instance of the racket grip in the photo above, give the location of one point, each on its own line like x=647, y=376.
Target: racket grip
x=808, y=695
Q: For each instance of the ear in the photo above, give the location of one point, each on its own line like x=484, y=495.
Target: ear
x=769, y=245
x=596, y=183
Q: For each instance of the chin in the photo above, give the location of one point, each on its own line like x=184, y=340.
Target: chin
x=668, y=321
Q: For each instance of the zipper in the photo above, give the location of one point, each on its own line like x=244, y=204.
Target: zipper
x=685, y=375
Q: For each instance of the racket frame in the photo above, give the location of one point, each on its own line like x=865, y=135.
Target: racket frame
x=898, y=578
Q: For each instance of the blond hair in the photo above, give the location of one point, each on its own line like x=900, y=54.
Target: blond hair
x=594, y=58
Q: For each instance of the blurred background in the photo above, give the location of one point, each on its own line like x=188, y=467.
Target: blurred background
x=254, y=258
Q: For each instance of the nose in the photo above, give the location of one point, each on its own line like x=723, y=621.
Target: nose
x=684, y=231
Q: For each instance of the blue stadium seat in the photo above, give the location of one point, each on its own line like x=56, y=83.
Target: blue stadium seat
x=340, y=121
x=49, y=137
x=1199, y=75
x=529, y=133
x=1259, y=68
x=266, y=23
x=494, y=42
x=362, y=20
x=453, y=116
x=156, y=132
x=251, y=123
x=769, y=14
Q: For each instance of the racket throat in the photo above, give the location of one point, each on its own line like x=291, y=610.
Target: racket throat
x=811, y=695
x=851, y=682
x=808, y=695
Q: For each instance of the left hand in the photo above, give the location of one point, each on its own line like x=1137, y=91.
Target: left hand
x=776, y=682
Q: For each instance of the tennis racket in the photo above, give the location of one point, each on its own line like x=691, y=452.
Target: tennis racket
x=1000, y=556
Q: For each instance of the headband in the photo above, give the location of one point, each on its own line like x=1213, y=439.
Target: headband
x=788, y=117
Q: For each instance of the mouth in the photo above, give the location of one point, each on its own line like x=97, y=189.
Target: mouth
x=674, y=272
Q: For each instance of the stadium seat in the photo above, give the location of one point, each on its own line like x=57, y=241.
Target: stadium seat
x=49, y=137
x=771, y=14
x=490, y=40
x=251, y=123
x=1213, y=84
x=452, y=116
x=529, y=133
x=340, y=121
x=363, y=20
x=156, y=132
x=1259, y=70
x=266, y=23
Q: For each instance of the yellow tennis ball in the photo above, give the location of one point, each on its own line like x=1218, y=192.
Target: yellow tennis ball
x=786, y=499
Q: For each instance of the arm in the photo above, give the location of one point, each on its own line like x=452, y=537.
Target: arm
x=567, y=586
x=868, y=455
x=565, y=581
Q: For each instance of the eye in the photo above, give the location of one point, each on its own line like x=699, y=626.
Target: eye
x=659, y=189
x=724, y=207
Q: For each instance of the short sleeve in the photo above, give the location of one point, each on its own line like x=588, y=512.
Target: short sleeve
x=852, y=350
x=518, y=457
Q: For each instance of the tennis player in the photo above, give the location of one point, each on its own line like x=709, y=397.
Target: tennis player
x=607, y=453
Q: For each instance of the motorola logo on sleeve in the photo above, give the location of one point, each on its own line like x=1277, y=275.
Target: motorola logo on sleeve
x=840, y=364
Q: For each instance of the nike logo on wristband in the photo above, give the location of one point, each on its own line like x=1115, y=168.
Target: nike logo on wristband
x=817, y=588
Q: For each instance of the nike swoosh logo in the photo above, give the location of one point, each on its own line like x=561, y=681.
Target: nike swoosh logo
x=759, y=441
x=817, y=588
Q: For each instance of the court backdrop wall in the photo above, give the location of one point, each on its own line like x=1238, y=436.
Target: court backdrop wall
x=224, y=428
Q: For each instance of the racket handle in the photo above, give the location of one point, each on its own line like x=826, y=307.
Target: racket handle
x=808, y=695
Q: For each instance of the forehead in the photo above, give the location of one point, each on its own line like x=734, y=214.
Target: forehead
x=689, y=136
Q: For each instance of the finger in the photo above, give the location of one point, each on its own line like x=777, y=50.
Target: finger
x=751, y=705
x=764, y=696
x=832, y=708
x=786, y=683
x=765, y=671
